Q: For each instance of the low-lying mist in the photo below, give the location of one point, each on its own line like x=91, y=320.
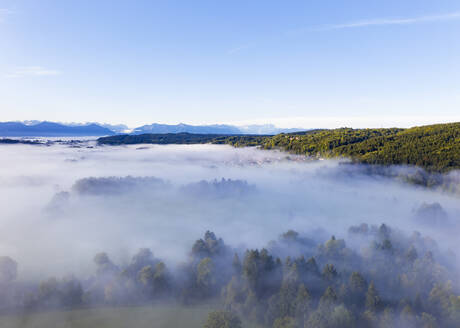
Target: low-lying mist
x=63, y=204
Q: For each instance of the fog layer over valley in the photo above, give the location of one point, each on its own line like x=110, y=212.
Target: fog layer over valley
x=96, y=212
x=61, y=205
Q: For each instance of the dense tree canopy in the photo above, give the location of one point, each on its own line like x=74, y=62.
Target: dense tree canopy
x=222, y=319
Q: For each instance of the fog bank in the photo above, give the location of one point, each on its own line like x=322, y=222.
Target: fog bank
x=62, y=204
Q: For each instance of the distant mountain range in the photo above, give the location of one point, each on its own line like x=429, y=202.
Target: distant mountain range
x=52, y=129
x=211, y=129
x=180, y=128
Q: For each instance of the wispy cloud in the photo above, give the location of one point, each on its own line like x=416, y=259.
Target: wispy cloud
x=23, y=71
x=393, y=21
x=3, y=13
x=238, y=49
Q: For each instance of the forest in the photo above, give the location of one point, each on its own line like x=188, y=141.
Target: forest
x=435, y=148
x=379, y=276
x=161, y=138
x=19, y=141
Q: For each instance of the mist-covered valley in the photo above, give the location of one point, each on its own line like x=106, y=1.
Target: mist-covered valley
x=79, y=209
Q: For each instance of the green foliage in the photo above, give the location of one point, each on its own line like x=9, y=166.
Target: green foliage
x=428, y=321
x=328, y=299
x=260, y=270
x=166, y=138
x=236, y=264
x=209, y=246
x=20, y=141
x=302, y=305
x=318, y=319
x=433, y=147
x=357, y=283
x=286, y=322
x=104, y=264
x=52, y=292
x=341, y=317
x=206, y=279
x=155, y=281
x=329, y=273
x=222, y=319
x=373, y=301
x=357, y=289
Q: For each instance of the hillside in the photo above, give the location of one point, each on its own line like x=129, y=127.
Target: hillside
x=435, y=148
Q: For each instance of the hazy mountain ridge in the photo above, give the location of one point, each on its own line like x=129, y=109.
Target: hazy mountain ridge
x=51, y=129
x=266, y=129
x=181, y=127
x=34, y=128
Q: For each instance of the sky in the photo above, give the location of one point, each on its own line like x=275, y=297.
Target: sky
x=358, y=63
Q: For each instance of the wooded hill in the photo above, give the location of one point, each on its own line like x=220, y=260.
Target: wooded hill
x=162, y=138
x=435, y=148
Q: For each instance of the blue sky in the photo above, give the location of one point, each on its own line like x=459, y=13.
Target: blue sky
x=292, y=63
